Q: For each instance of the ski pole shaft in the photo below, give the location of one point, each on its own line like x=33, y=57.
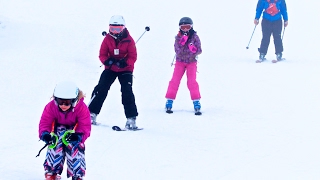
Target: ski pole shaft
x=173, y=59
x=42, y=149
x=147, y=28
x=283, y=33
x=251, y=36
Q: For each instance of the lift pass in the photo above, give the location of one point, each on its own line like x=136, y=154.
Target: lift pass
x=116, y=51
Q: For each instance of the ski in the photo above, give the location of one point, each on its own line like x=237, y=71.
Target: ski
x=117, y=128
x=275, y=60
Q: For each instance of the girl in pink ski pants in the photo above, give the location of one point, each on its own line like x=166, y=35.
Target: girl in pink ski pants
x=179, y=70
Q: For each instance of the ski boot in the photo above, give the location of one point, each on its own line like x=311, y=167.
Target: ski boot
x=77, y=178
x=169, y=106
x=261, y=58
x=93, y=118
x=279, y=58
x=131, y=123
x=52, y=176
x=197, y=107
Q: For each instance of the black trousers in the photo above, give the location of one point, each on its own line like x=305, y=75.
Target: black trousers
x=268, y=28
x=100, y=92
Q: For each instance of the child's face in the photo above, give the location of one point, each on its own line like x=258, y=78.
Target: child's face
x=63, y=107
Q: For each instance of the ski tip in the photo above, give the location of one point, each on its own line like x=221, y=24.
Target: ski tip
x=116, y=128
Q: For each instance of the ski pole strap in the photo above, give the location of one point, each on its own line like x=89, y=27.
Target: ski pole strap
x=42, y=149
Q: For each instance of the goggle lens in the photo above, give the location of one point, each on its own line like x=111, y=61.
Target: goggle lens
x=116, y=29
x=185, y=27
x=66, y=102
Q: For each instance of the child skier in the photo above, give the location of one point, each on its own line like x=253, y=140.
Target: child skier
x=118, y=53
x=187, y=47
x=64, y=126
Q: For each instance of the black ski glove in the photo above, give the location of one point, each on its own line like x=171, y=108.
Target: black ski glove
x=122, y=63
x=74, y=138
x=109, y=61
x=47, y=138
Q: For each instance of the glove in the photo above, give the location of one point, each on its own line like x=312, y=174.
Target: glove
x=192, y=48
x=183, y=39
x=109, y=61
x=47, y=138
x=122, y=63
x=74, y=138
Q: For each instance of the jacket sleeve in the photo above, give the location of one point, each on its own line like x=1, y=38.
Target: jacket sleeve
x=132, y=53
x=259, y=9
x=84, y=121
x=177, y=46
x=104, y=50
x=46, y=120
x=197, y=44
x=283, y=10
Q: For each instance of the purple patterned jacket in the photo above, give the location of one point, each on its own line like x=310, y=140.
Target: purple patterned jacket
x=183, y=54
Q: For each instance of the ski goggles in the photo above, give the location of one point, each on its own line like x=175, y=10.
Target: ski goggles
x=185, y=27
x=66, y=102
x=116, y=29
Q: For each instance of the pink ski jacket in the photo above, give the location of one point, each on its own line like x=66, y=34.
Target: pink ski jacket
x=80, y=114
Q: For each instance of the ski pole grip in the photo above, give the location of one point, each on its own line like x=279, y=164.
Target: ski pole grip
x=65, y=135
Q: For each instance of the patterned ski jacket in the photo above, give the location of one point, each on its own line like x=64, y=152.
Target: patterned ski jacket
x=183, y=53
x=264, y=4
x=125, y=48
x=79, y=114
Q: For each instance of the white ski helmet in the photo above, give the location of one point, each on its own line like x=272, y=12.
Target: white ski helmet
x=117, y=20
x=66, y=90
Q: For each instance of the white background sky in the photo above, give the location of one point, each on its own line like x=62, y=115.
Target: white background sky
x=260, y=121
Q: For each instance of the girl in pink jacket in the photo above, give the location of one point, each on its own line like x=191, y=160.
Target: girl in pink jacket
x=64, y=126
x=187, y=47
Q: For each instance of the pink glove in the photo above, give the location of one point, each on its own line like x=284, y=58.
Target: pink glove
x=192, y=48
x=183, y=39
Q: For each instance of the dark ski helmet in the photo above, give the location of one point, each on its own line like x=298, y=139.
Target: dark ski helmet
x=185, y=20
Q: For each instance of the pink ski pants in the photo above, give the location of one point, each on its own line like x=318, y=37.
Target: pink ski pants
x=179, y=69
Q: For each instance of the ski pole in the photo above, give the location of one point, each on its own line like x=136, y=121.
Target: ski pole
x=147, y=28
x=42, y=149
x=173, y=59
x=251, y=36
x=283, y=33
x=53, y=144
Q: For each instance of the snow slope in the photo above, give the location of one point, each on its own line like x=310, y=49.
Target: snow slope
x=260, y=121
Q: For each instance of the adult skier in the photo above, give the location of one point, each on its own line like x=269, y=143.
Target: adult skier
x=273, y=12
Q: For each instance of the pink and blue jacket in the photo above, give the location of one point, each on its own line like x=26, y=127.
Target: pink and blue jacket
x=79, y=114
x=184, y=52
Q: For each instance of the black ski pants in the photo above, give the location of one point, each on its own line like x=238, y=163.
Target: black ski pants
x=268, y=28
x=100, y=92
